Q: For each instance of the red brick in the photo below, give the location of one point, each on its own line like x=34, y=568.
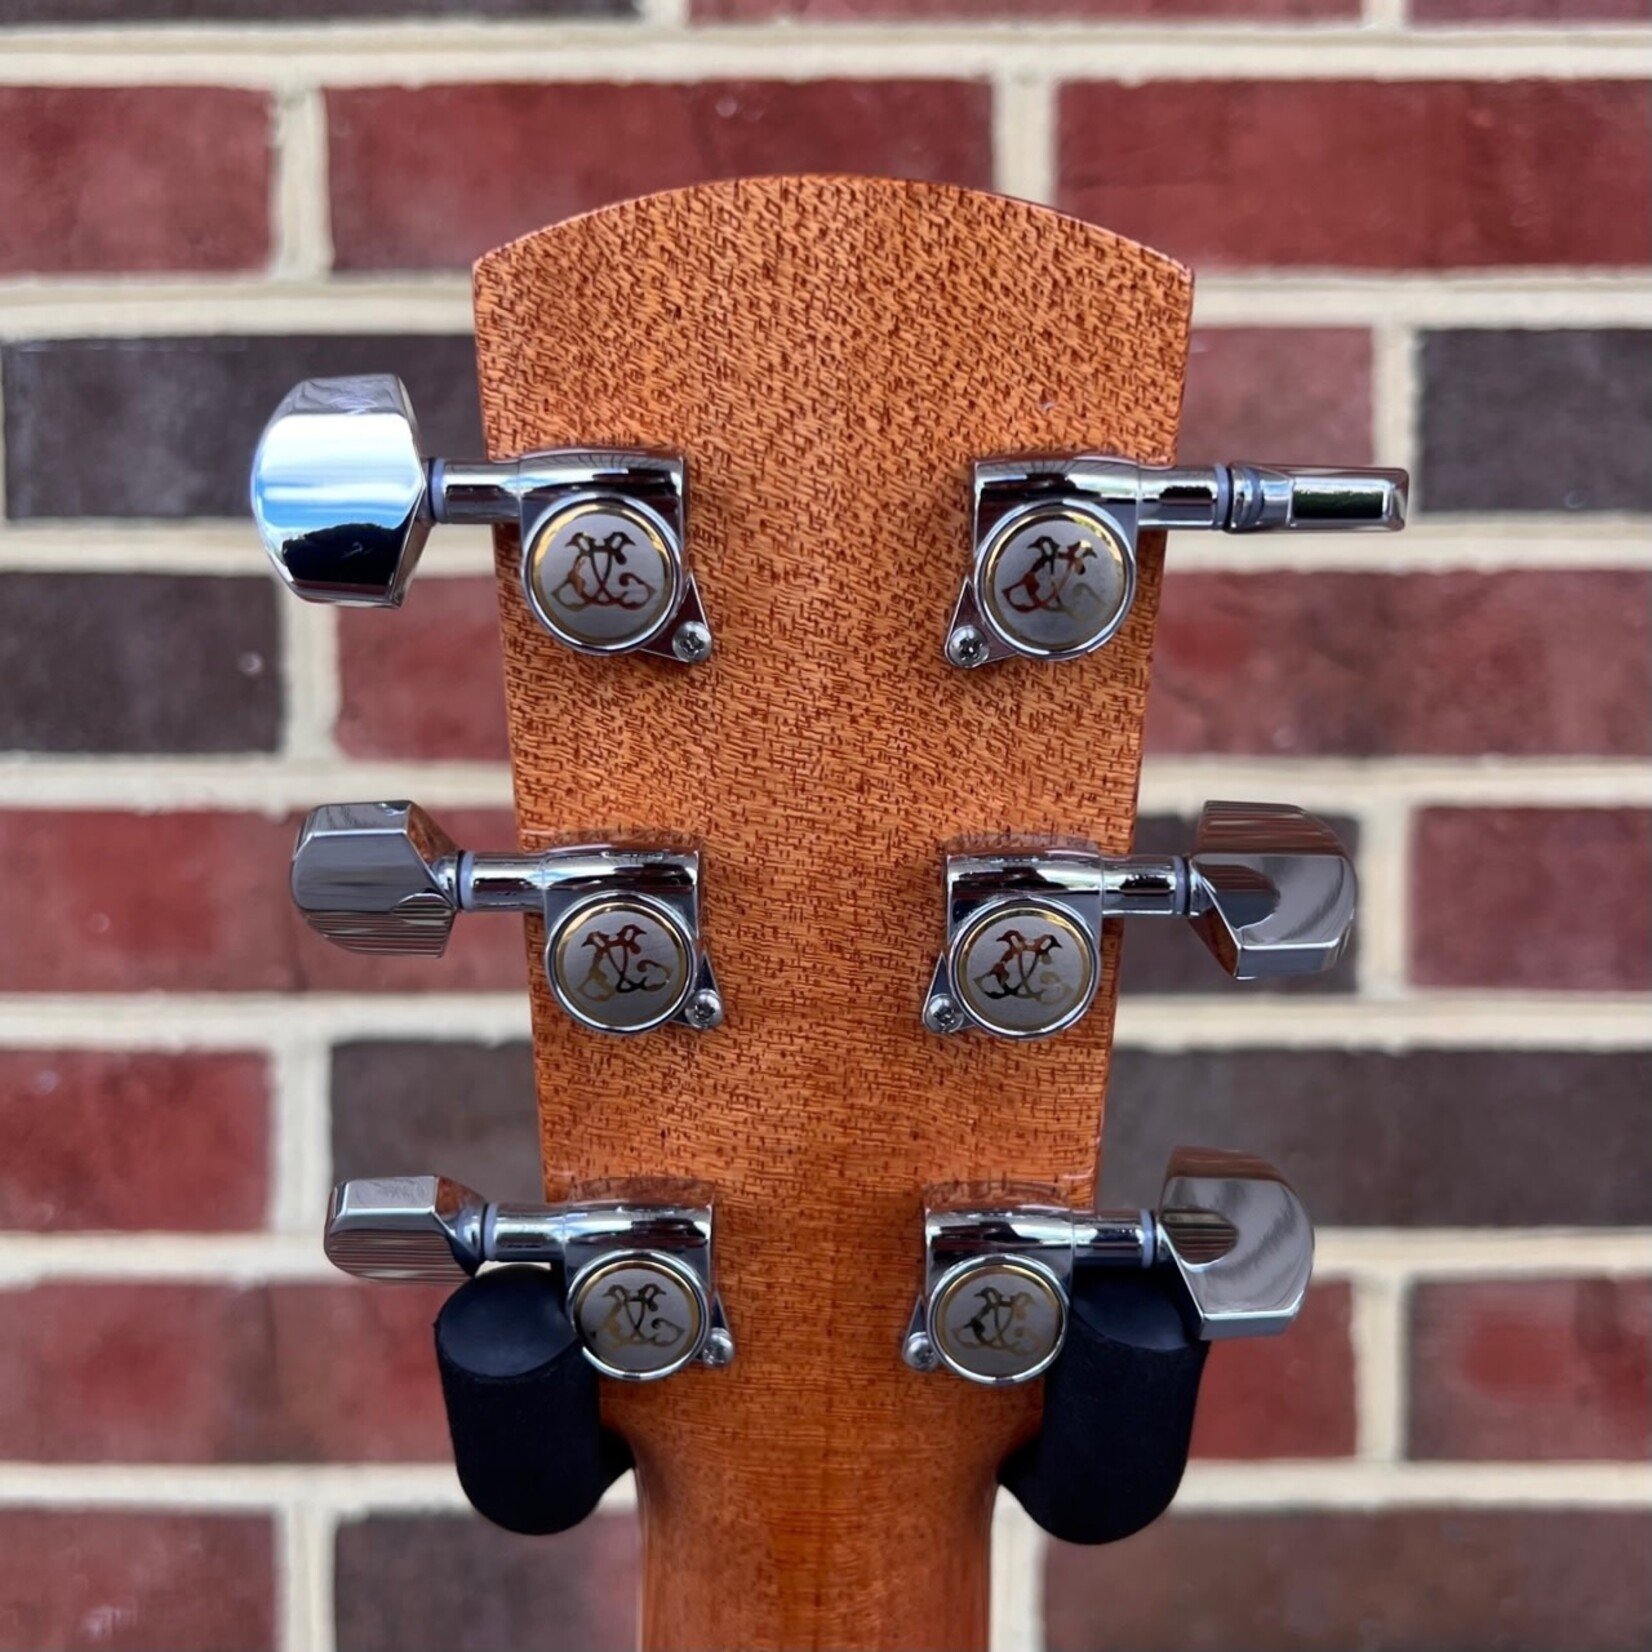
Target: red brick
x=201, y=1373
x=429, y=177
x=1234, y=409
x=1553, y=1369
x=122, y=1139
x=1537, y=899
x=198, y=902
x=1361, y=664
x=1366, y=174
x=430, y=682
x=133, y=178
x=987, y=11
x=134, y=1580
x=1356, y=1580
x=1285, y=1396
x=1531, y=11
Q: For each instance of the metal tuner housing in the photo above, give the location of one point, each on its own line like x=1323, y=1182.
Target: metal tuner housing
x=1230, y=1242
x=344, y=498
x=1267, y=888
x=1054, y=569
x=623, y=950
x=635, y=1256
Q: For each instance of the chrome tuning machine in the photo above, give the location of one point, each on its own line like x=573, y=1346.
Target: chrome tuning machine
x=1054, y=570
x=1267, y=888
x=635, y=1256
x=1230, y=1242
x=623, y=951
x=344, y=499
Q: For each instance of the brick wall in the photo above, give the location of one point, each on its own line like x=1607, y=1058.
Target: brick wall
x=1424, y=237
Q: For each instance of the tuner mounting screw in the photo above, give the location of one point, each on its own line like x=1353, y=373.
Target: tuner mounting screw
x=691, y=642
x=919, y=1352
x=942, y=1015
x=704, y=1010
x=966, y=647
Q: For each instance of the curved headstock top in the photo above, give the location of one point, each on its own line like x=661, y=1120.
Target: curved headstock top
x=829, y=354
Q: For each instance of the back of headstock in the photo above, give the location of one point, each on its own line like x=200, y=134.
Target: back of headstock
x=777, y=413
x=830, y=355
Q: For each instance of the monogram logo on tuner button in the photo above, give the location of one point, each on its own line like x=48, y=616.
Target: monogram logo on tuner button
x=998, y=1320
x=1025, y=969
x=602, y=574
x=639, y=1316
x=621, y=966
x=1055, y=581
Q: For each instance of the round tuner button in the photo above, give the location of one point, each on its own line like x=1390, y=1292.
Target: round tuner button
x=1055, y=581
x=1024, y=969
x=998, y=1319
x=602, y=575
x=640, y=1315
x=621, y=965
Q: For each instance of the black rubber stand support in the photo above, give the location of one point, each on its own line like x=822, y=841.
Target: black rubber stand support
x=522, y=1404
x=1118, y=1413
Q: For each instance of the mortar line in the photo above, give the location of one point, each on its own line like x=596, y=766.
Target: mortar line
x=1017, y=1579
x=1024, y=139
x=301, y=1074
x=312, y=681
x=302, y=233
x=1380, y=1365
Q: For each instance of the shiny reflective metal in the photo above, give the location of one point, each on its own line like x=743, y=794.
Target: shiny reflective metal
x=1232, y=1240
x=1267, y=888
x=344, y=499
x=1054, y=572
x=623, y=952
x=635, y=1255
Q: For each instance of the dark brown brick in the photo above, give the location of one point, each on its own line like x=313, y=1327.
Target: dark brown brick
x=990, y=11
x=1553, y=1369
x=466, y=1110
x=292, y=11
x=1234, y=409
x=136, y=1580
x=430, y=177
x=1536, y=421
x=82, y=1128
x=1168, y=958
x=1365, y=174
x=1375, y=1138
x=211, y=912
x=195, y=1373
x=104, y=178
x=450, y=1583
x=1547, y=663
x=1324, y=1580
x=173, y=421
x=1287, y=1396
x=139, y=663
x=427, y=681
x=1536, y=899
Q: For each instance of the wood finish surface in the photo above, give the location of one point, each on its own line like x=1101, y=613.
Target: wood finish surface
x=830, y=354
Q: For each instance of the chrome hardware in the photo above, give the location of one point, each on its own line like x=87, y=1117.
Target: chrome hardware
x=623, y=952
x=1267, y=888
x=1231, y=1239
x=1055, y=539
x=344, y=499
x=636, y=1256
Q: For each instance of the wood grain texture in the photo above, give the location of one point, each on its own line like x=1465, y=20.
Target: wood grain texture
x=830, y=354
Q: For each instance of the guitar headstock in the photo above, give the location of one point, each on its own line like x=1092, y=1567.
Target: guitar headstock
x=793, y=382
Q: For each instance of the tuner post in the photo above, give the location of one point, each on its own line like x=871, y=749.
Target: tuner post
x=1267, y=888
x=623, y=951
